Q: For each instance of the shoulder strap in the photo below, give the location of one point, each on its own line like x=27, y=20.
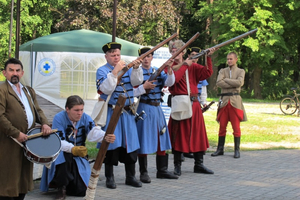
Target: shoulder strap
x=187, y=81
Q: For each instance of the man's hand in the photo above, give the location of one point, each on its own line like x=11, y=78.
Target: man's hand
x=110, y=138
x=80, y=151
x=46, y=130
x=22, y=137
x=136, y=63
x=121, y=64
x=188, y=62
x=211, y=51
x=149, y=85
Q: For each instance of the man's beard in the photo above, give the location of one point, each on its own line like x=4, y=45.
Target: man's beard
x=14, y=79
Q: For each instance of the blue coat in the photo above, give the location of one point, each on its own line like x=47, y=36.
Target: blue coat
x=62, y=123
x=126, y=131
x=154, y=120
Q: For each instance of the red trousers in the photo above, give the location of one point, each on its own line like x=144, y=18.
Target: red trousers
x=234, y=115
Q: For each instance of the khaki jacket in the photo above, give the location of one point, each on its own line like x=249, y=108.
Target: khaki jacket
x=232, y=84
x=15, y=169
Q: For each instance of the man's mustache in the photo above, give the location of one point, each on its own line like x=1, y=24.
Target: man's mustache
x=14, y=77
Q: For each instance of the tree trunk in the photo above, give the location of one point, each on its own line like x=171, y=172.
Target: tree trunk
x=212, y=88
x=256, y=76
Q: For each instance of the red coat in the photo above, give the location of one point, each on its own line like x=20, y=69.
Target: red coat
x=190, y=135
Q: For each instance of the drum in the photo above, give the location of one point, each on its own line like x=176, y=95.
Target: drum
x=42, y=150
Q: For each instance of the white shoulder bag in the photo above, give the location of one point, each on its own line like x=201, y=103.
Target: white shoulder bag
x=181, y=105
x=99, y=113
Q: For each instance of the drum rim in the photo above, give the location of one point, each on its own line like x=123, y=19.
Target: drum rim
x=53, y=157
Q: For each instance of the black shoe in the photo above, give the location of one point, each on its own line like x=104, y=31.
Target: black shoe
x=61, y=193
x=219, y=152
x=110, y=183
x=166, y=175
x=202, y=169
x=145, y=178
x=133, y=182
x=188, y=155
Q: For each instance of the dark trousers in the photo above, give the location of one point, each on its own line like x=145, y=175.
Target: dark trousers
x=20, y=197
x=67, y=174
x=120, y=155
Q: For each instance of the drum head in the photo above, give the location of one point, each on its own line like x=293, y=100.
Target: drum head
x=43, y=146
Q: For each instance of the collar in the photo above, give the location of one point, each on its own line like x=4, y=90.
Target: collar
x=15, y=87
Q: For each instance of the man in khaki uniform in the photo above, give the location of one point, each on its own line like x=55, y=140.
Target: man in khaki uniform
x=230, y=80
x=19, y=111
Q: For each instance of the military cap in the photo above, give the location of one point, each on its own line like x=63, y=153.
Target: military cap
x=144, y=50
x=196, y=49
x=111, y=45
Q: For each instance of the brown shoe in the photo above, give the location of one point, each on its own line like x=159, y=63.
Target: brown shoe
x=61, y=193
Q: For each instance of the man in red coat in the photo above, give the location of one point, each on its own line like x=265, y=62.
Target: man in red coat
x=189, y=135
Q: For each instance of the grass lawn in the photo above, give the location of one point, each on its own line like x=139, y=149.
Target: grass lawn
x=267, y=128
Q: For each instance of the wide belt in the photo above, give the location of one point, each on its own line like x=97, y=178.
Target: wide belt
x=127, y=108
x=228, y=94
x=193, y=97
x=152, y=103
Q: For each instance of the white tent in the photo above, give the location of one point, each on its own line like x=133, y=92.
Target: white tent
x=64, y=64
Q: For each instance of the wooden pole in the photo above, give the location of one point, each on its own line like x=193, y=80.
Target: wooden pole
x=91, y=190
x=114, y=21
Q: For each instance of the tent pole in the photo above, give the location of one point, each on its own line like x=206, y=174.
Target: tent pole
x=18, y=29
x=114, y=21
x=11, y=27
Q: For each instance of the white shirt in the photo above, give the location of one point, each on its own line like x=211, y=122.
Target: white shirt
x=24, y=101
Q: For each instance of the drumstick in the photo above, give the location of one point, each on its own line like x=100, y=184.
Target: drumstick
x=39, y=134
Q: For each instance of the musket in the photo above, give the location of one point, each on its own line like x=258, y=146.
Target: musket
x=127, y=67
x=203, y=52
x=90, y=192
x=204, y=109
x=157, y=72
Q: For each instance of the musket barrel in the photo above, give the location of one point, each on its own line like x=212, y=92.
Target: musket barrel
x=125, y=69
x=225, y=43
x=155, y=75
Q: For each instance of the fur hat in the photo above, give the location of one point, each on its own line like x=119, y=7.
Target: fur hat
x=177, y=44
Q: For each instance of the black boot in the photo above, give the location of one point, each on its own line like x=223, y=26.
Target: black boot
x=109, y=174
x=220, y=148
x=237, y=141
x=199, y=167
x=144, y=177
x=162, y=167
x=130, y=176
x=182, y=158
x=177, y=163
x=188, y=155
x=61, y=193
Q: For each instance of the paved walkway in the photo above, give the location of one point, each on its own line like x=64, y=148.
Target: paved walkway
x=257, y=175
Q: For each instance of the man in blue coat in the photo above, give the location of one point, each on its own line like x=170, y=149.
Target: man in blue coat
x=71, y=171
x=124, y=149
x=153, y=132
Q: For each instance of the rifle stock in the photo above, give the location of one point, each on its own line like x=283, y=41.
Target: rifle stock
x=157, y=72
x=90, y=193
x=203, y=52
x=125, y=69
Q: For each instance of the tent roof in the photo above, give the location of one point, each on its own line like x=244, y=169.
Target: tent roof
x=77, y=41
